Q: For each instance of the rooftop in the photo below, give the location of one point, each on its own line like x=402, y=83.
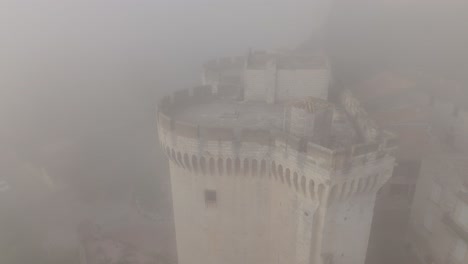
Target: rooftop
x=234, y=114
x=254, y=115
x=343, y=133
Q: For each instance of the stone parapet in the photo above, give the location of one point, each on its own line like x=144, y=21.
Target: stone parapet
x=330, y=159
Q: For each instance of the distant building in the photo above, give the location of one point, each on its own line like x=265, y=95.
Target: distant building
x=265, y=169
x=439, y=215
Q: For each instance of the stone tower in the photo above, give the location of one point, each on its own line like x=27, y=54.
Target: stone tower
x=288, y=179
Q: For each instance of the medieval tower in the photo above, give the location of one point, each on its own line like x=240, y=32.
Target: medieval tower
x=265, y=168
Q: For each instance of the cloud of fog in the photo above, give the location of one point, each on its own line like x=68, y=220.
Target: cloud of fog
x=63, y=58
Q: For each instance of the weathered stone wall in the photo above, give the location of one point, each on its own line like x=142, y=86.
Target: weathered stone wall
x=300, y=83
x=315, y=126
x=255, y=88
x=254, y=220
x=268, y=82
x=347, y=230
x=269, y=188
x=350, y=212
x=224, y=75
x=321, y=157
x=367, y=126
x=285, y=84
x=301, y=122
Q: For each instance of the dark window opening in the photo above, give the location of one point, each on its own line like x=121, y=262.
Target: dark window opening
x=210, y=197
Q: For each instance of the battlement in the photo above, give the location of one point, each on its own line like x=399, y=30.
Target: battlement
x=367, y=126
x=333, y=159
x=260, y=152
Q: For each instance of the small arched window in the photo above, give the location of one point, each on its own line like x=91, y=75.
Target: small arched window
x=280, y=172
x=246, y=167
x=212, y=166
x=312, y=189
x=288, y=177
x=187, y=162
x=220, y=166
x=203, y=165
x=229, y=166
x=303, y=184
x=179, y=159
x=273, y=168
x=173, y=155
x=296, y=181
x=254, y=167
x=194, y=163
x=237, y=166
x=262, y=167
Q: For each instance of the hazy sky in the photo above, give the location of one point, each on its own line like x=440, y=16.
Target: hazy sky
x=70, y=61
x=64, y=32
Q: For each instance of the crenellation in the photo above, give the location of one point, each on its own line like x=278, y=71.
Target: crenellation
x=199, y=162
x=326, y=158
x=185, y=129
x=367, y=127
x=271, y=154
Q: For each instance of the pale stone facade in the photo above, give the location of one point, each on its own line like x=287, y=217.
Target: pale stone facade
x=247, y=190
x=271, y=77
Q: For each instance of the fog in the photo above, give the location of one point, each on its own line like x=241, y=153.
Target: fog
x=80, y=81
x=66, y=60
x=79, y=86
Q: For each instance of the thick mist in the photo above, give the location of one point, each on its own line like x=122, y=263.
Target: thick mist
x=78, y=91
x=80, y=80
x=66, y=62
